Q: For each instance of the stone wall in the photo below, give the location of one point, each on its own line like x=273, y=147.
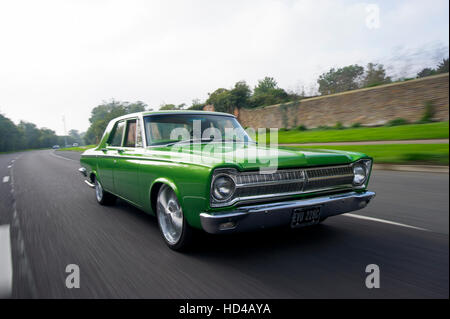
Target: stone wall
x=370, y=106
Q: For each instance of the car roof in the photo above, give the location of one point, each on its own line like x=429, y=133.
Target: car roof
x=172, y=112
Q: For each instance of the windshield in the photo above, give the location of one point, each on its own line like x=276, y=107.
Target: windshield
x=175, y=128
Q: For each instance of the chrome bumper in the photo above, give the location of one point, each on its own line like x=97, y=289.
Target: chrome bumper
x=83, y=172
x=277, y=214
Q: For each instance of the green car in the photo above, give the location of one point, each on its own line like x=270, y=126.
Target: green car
x=202, y=170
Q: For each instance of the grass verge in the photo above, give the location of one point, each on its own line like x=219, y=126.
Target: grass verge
x=428, y=154
x=402, y=132
x=78, y=148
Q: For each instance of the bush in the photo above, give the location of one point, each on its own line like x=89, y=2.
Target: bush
x=283, y=129
x=356, y=125
x=339, y=126
x=428, y=114
x=397, y=122
x=324, y=127
x=301, y=127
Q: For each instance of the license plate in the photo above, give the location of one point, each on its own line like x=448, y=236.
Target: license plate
x=305, y=216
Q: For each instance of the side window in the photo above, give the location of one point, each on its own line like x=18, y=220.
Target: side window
x=116, y=138
x=130, y=137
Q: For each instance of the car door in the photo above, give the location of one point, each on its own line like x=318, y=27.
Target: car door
x=126, y=169
x=108, y=158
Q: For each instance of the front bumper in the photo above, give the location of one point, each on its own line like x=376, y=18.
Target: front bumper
x=277, y=214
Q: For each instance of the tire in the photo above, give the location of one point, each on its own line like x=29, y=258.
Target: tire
x=102, y=196
x=172, y=224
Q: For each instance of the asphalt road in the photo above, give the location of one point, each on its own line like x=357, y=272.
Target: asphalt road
x=55, y=221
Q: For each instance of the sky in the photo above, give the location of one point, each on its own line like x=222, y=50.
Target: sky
x=63, y=58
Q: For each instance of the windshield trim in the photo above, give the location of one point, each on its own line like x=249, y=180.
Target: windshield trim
x=191, y=141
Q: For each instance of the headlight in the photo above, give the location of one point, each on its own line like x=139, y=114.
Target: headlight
x=223, y=187
x=361, y=171
x=359, y=174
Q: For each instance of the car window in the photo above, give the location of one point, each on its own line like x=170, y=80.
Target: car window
x=130, y=136
x=159, y=128
x=116, y=138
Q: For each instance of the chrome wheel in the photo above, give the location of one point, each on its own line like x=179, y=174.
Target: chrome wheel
x=98, y=191
x=170, y=215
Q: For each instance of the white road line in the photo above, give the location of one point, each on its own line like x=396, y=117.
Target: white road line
x=5, y=262
x=9, y=166
x=64, y=158
x=6, y=179
x=384, y=221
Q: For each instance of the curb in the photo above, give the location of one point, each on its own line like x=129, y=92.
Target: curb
x=412, y=168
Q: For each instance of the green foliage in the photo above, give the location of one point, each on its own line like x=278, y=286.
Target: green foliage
x=356, y=125
x=226, y=100
x=267, y=93
x=433, y=154
x=428, y=114
x=339, y=126
x=340, y=80
x=375, y=74
x=426, y=72
x=28, y=136
x=396, y=122
x=78, y=148
x=442, y=67
x=324, y=128
x=197, y=105
x=171, y=107
x=10, y=136
x=301, y=127
x=436, y=130
x=103, y=113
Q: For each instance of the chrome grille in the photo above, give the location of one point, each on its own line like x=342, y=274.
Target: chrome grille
x=252, y=186
x=319, y=178
x=246, y=178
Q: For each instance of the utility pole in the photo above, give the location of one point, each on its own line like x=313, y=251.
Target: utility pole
x=65, y=133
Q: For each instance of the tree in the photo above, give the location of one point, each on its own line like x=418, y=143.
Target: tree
x=340, y=80
x=443, y=66
x=222, y=100
x=10, y=136
x=375, y=74
x=241, y=94
x=197, y=105
x=426, y=72
x=103, y=113
x=73, y=134
x=265, y=85
x=267, y=92
x=171, y=107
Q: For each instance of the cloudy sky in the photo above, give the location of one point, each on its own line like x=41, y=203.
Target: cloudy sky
x=65, y=57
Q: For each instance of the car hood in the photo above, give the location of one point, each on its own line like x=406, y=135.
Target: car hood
x=251, y=156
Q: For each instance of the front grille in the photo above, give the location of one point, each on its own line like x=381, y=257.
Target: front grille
x=247, y=178
x=256, y=185
x=319, y=178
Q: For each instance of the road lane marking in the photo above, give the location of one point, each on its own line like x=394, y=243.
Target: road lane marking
x=5, y=262
x=9, y=166
x=6, y=179
x=384, y=221
x=64, y=158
